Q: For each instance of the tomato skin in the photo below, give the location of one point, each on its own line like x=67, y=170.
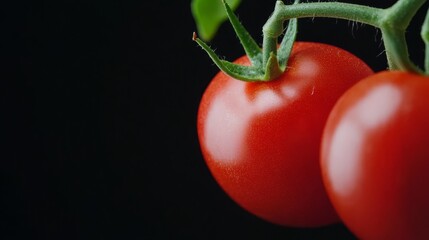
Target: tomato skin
x=375, y=157
x=261, y=140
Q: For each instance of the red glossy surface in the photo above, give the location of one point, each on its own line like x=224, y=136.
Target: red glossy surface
x=375, y=157
x=261, y=140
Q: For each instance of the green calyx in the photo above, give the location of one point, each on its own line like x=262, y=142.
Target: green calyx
x=267, y=63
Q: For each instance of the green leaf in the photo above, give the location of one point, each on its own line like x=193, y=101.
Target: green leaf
x=209, y=15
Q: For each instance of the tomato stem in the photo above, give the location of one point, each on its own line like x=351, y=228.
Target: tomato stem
x=392, y=21
x=393, y=24
x=400, y=14
x=397, y=51
x=269, y=44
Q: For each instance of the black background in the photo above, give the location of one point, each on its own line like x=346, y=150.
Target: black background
x=98, y=119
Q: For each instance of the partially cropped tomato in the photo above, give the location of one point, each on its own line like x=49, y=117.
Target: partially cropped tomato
x=375, y=157
x=261, y=140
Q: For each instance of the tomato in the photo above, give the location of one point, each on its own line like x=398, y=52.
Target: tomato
x=261, y=140
x=375, y=157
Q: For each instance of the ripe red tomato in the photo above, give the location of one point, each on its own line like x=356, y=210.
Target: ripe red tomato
x=261, y=140
x=375, y=157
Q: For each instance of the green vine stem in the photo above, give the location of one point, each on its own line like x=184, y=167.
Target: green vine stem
x=270, y=61
x=392, y=22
